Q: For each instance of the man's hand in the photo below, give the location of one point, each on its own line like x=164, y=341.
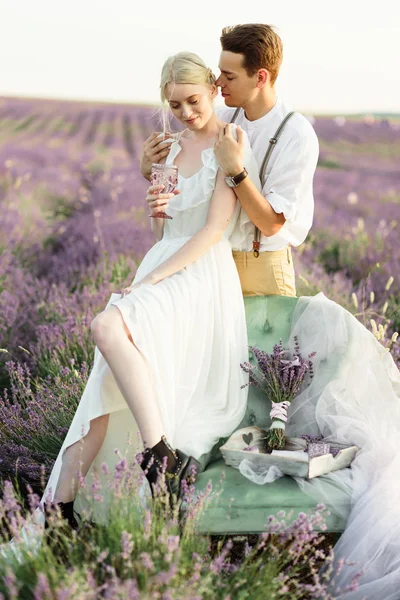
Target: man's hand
x=155, y=149
x=228, y=151
x=157, y=200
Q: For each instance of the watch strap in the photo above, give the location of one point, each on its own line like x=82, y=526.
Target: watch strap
x=239, y=178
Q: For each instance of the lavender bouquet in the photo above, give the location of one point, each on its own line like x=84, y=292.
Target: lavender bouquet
x=279, y=375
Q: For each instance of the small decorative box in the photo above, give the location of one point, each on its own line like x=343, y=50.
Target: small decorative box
x=318, y=449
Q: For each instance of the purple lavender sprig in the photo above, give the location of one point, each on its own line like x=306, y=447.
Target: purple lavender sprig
x=279, y=375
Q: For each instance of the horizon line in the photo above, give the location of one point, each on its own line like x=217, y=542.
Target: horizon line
x=159, y=105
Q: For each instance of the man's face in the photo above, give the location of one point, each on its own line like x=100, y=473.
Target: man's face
x=237, y=88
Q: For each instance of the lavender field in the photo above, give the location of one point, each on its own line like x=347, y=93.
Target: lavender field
x=74, y=227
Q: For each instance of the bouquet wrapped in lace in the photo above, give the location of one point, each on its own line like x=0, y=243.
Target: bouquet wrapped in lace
x=279, y=375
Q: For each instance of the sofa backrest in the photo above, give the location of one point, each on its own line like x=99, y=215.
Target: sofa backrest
x=268, y=320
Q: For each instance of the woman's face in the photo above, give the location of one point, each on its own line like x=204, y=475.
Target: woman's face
x=191, y=103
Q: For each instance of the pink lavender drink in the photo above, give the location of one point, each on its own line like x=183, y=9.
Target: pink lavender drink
x=166, y=175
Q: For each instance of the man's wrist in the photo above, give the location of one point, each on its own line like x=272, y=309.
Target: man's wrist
x=235, y=180
x=232, y=172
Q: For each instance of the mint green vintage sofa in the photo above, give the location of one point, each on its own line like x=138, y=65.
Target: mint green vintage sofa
x=268, y=321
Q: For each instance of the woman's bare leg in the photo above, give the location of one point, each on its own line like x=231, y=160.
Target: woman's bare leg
x=83, y=451
x=130, y=372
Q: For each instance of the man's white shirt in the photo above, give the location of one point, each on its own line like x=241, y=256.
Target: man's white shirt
x=288, y=177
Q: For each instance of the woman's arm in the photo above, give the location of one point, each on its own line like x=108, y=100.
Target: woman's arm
x=222, y=207
x=157, y=227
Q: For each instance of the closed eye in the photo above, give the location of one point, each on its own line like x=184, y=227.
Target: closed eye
x=189, y=102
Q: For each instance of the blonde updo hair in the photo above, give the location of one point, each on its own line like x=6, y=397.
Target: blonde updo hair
x=185, y=67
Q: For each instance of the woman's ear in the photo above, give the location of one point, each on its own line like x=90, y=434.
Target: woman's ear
x=214, y=92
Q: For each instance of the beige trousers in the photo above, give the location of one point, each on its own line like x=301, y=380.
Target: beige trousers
x=271, y=274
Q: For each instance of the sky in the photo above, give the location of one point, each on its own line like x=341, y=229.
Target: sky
x=339, y=57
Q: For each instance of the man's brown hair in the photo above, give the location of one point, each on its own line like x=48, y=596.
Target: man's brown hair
x=260, y=44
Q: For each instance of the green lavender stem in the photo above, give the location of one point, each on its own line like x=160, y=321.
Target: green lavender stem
x=275, y=438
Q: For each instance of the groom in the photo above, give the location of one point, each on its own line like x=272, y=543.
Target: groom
x=286, y=149
x=282, y=213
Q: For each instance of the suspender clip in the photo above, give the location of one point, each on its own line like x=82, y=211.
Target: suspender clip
x=256, y=249
x=273, y=140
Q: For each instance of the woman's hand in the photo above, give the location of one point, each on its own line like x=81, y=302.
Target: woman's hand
x=158, y=201
x=155, y=149
x=149, y=280
x=130, y=288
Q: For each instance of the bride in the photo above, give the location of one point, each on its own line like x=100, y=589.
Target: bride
x=166, y=371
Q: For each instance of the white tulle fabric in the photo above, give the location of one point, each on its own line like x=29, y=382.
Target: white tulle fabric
x=354, y=398
x=269, y=475
x=191, y=329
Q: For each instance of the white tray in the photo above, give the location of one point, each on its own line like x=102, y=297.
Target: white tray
x=291, y=461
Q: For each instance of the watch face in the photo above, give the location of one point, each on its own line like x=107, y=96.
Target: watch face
x=230, y=182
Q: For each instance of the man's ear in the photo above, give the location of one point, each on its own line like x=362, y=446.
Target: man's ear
x=263, y=78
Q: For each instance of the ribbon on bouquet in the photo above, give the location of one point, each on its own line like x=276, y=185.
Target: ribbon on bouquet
x=279, y=410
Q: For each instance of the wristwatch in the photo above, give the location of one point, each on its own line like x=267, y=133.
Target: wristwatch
x=234, y=181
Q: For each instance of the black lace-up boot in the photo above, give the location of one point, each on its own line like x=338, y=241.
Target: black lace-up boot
x=67, y=513
x=179, y=467
x=57, y=538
